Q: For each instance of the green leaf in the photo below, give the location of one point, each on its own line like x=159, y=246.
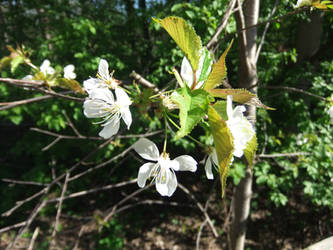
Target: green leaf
x=223, y=144
x=192, y=107
x=184, y=36
x=70, y=84
x=219, y=71
x=16, y=62
x=250, y=150
x=239, y=95
x=206, y=65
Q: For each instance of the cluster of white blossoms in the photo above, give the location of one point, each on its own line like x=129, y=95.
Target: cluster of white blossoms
x=47, y=71
x=101, y=103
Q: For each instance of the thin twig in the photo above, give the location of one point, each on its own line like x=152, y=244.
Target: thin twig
x=24, y=182
x=20, y=224
x=265, y=30
x=33, y=239
x=186, y=191
x=94, y=190
x=89, y=170
x=9, y=105
x=56, y=224
x=282, y=155
x=143, y=81
x=295, y=90
x=77, y=242
x=32, y=216
x=114, y=208
x=203, y=224
x=222, y=25
x=71, y=124
x=60, y=177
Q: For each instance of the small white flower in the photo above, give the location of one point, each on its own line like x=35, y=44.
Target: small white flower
x=330, y=112
x=301, y=3
x=240, y=128
x=162, y=169
x=101, y=104
x=69, y=72
x=46, y=69
x=104, y=80
x=187, y=74
x=300, y=139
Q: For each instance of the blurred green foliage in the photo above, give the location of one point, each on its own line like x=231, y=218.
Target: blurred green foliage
x=80, y=32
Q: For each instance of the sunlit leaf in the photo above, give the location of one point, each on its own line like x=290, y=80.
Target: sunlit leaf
x=250, y=150
x=192, y=107
x=239, y=95
x=70, y=84
x=15, y=62
x=223, y=144
x=184, y=36
x=218, y=73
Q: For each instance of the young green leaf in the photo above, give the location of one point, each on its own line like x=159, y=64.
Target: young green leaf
x=192, y=107
x=218, y=72
x=250, y=150
x=184, y=36
x=239, y=95
x=223, y=144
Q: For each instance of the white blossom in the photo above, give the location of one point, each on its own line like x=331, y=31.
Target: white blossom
x=69, y=72
x=240, y=128
x=104, y=80
x=46, y=69
x=161, y=169
x=101, y=104
x=301, y=3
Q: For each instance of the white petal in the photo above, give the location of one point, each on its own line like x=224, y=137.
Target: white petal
x=102, y=94
x=103, y=69
x=127, y=116
x=146, y=149
x=110, y=129
x=214, y=157
x=166, y=186
x=144, y=172
x=208, y=168
x=186, y=72
x=94, y=108
x=93, y=83
x=186, y=163
x=229, y=106
x=122, y=97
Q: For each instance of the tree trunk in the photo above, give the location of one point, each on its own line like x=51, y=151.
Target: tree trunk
x=247, y=77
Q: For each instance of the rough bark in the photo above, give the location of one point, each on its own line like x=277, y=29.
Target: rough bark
x=247, y=78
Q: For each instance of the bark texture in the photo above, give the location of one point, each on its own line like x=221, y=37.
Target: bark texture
x=247, y=16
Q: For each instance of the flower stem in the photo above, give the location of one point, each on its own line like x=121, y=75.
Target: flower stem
x=165, y=132
x=174, y=124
